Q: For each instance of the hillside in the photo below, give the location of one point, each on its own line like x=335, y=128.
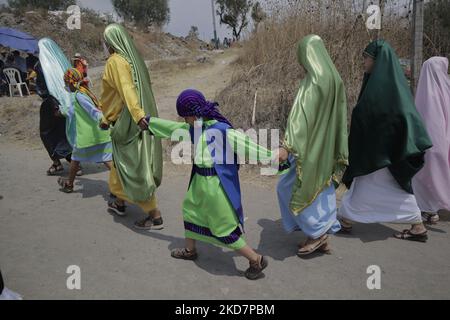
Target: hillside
x=88, y=40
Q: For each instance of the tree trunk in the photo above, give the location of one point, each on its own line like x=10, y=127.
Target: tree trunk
x=417, y=43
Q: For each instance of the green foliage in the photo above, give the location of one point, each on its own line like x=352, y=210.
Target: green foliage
x=143, y=13
x=41, y=4
x=234, y=14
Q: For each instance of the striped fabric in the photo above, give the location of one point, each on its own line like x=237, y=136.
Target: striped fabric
x=232, y=238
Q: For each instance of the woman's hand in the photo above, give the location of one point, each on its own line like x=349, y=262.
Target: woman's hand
x=143, y=124
x=104, y=126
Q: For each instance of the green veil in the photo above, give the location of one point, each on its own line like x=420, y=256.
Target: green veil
x=386, y=129
x=137, y=154
x=316, y=132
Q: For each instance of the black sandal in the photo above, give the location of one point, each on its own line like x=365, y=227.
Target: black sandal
x=150, y=223
x=54, y=169
x=346, y=227
x=184, y=254
x=408, y=235
x=117, y=208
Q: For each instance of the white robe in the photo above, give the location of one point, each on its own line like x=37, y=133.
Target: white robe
x=378, y=198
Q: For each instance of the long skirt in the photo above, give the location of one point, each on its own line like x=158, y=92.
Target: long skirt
x=377, y=198
x=317, y=219
x=52, y=131
x=98, y=153
x=209, y=216
x=116, y=188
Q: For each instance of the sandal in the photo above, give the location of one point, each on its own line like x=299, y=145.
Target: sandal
x=346, y=227
x=184, y=254
x=256, y=268
x=408, y=235
x=150, y=223
x=430, y=218
x=322, y=245
x=54, y=169
x=117, y=208
x=65, y=186
x=79, y=171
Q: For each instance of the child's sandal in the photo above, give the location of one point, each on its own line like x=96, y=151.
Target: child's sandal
x=184, y=254
x=255, y=271
x=65, y=186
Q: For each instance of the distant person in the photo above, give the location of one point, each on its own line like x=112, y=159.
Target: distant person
x=126, y=99
x=4, y=88
x=316, y=146
x=387, y=146
x=31, y=61
x=90, y=143
x=225, y=42
x=432, y=184
x=20, y=61
x=11, y=64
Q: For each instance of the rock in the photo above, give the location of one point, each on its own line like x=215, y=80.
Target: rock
x=202, y=59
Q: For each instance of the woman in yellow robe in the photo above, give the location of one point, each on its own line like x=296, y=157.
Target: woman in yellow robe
x=126, y=99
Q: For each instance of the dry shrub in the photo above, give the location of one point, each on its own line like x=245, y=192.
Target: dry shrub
x=268, y=60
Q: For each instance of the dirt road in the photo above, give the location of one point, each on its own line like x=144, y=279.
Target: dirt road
x=43, y=232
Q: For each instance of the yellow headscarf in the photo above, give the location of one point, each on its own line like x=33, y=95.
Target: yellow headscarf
x=73, y=76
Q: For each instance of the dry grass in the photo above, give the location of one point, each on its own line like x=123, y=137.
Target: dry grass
x=268, y=62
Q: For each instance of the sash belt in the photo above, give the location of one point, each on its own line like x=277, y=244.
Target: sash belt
x=206, y=172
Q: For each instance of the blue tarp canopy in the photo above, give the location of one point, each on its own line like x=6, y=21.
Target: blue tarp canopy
x=18, y=40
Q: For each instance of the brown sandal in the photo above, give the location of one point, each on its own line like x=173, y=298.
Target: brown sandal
x=184, y=254
x=408, y=235
x=65, y=186
x=256, y=268
x=322, y=246
x=430, y=218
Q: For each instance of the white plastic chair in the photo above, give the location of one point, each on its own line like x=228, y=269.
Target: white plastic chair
x=12, y=75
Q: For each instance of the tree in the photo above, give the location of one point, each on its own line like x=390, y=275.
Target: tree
x=193, y=33
x=234, y=13
x=41, y=4
x=143, y=13
x=258, y=14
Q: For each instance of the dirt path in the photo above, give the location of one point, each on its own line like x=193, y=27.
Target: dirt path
x=43, y=231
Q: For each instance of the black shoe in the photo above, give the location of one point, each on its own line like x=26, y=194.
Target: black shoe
x=117, y=209
x=150, y=223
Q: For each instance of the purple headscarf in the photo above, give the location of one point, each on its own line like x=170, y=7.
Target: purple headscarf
x=432, y=184
x=192, y=103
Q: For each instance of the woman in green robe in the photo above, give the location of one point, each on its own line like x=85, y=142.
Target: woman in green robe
x=387, y=145
x=316, y=146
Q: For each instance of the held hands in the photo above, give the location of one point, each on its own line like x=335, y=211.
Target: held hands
x=283, y=155
x=104, y=126
x=143, y=123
